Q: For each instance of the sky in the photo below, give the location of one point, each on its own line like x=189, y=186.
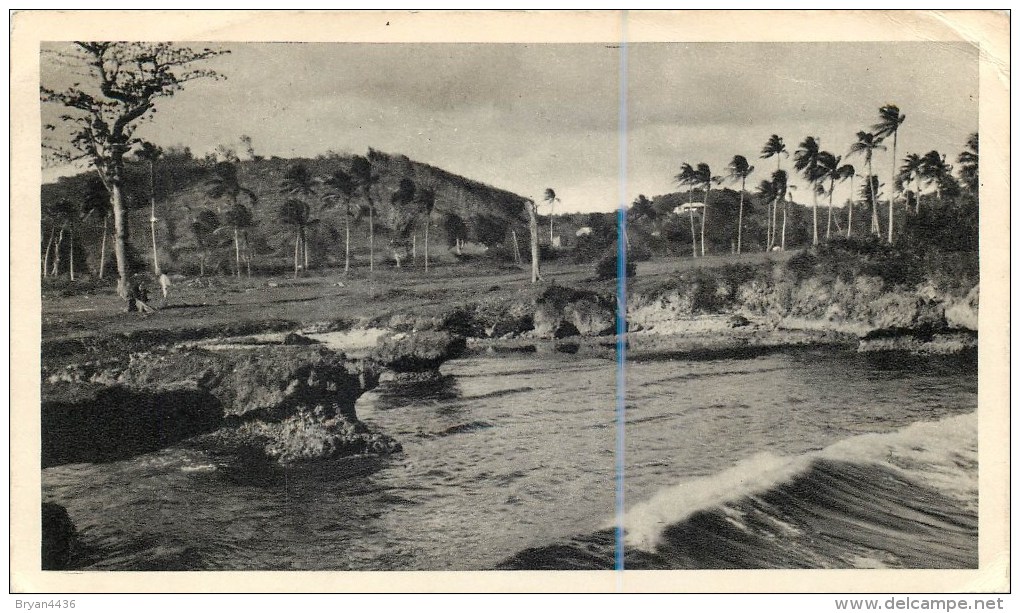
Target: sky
x=527, y=117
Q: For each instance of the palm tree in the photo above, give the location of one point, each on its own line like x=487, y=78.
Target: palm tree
x=426, y=198
x=766, y=192
x=550, y=197
x=340, y=189
x=968, y=161
x=703, y=176
x=774, y=146
x=238, y=218
x=203, y=225
x=806, y=161
x=866, y=145
x=533, y=229
x=151, y=153
x=300, y=183
x=361, y=172
x=688, y=177
x=889, y=125
x=828, y=167
x=97, y=201
x=225, y=183
x=296, y=212
x=403, y=197
x=739, y=169
x=780, y=184
x=911, y=171
x=936, y=171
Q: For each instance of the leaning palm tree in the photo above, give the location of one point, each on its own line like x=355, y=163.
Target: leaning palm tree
x=551, y=199
x=889, y=125
x=340, y=189
x=969, y=164
x=704, y=177
x=866, y=145
x=739, y=169
x=687, y=177
x=805, y=159
x=151, y=153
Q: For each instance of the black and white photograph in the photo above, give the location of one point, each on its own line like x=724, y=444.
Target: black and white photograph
x=608, y=304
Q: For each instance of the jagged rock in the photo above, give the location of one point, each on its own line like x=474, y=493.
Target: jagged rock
x=590, y=318
x=964, y=313
x=898, y=310
x=59, y=537
x=314, y=435
x=738, y=321
x=417, y=352
x=293, y=338
x=268, y=381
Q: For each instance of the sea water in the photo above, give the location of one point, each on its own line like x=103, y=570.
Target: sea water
x=811, y=457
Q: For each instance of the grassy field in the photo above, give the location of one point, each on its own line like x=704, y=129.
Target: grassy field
x=87, y=308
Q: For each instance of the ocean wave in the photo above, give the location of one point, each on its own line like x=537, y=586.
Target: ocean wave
x=906, y=499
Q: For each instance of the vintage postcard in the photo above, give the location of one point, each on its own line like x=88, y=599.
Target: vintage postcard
x=694, y=301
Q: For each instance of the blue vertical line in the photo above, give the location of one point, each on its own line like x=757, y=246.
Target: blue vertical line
x=621, y=296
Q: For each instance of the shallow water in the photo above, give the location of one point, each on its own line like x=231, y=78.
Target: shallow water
x=511, y=453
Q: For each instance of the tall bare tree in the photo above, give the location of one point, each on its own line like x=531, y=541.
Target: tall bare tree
x=119, y=85
x=151, y=154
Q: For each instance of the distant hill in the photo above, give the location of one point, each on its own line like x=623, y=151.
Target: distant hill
x=468, y=210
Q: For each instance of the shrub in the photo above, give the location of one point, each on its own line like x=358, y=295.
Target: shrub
x=608, y=265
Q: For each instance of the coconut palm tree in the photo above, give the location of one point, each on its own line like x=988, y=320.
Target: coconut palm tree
x=225, y=183
x=781, y=186
x=829, y=168
x=739, y=170
x=687, y=177
x=426, y=199
x=203, y=225
x=299, y=182
x=532, y=209
x=766, y=193
x=365, y=180
x=340, y=190
x=774, y=147
x=404, y=197
x=968, y=161
x=551, y=199
x=911, y=172
x=151, y=153
x=296, y=212
x=866, y=145
x=936, y=171
x=889, y=125
x=806, y=161
x=238, y=218
x=704, y=177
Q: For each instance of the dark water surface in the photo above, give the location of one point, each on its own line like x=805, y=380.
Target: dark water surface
x=509, y=462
